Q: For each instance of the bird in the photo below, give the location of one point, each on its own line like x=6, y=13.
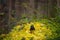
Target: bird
x=32, y=29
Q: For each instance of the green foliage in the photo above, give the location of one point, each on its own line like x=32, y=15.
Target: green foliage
x=57, y=18
x=48, y=24
x=54, y=26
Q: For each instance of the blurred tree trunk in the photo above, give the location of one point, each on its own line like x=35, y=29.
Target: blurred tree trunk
x=41, y=7
x=19, y=9
x=4, y=19
x=31, y=9
x=53, y=6
x=9, y=13
x=58, y=3
x=58, y=8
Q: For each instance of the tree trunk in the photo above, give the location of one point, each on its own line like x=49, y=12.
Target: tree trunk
x=19, y=9
x=53, y=7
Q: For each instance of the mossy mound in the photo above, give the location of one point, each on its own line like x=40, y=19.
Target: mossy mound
x=43, y=30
